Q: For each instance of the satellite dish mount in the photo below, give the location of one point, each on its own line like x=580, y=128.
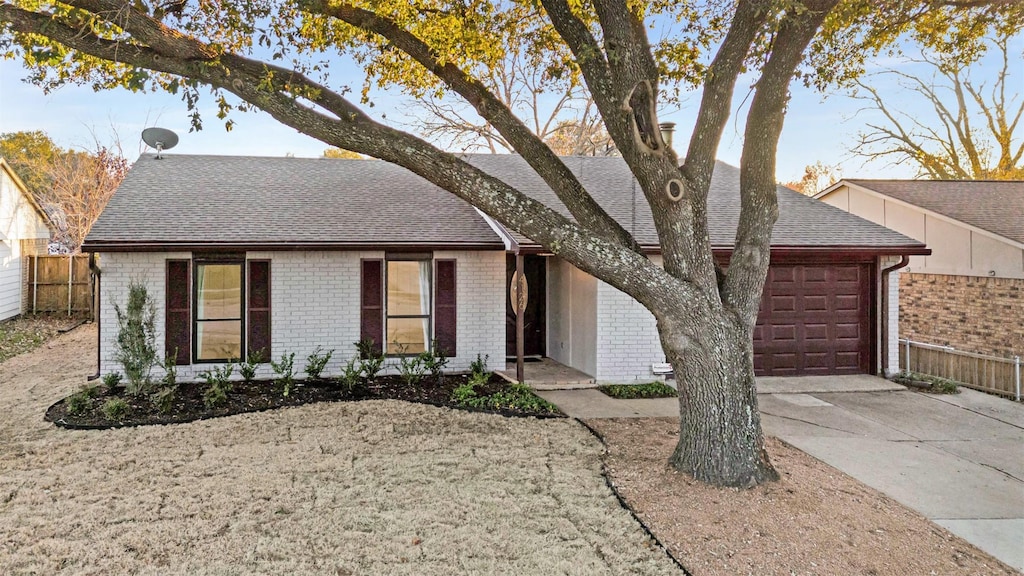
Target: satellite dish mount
x=159, y=138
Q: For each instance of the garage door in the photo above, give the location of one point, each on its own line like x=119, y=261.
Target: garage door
x=814, y=319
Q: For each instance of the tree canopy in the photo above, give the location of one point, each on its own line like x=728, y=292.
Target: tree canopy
x=632, y=57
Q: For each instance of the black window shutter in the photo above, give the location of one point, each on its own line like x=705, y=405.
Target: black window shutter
x=444, y=308
x=258, y=340
x=371, y=308
x=178, y=317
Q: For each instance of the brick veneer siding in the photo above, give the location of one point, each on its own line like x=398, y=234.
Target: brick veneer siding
x=970, y=313
x=315, y=302
x=627, y=338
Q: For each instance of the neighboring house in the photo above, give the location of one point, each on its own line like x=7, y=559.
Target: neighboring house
x=969, y=293
x=285, y=254
x=24, y=232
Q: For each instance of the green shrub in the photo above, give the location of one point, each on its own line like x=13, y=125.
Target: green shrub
x=937, y=384
x=317, y=361
x=136, y=337
x=479, y=366
x=648, y=390
x=115, y=409
x=79, y=403
x=351, y=380
x=112, y=380
x=411, y=368
x=163, y=398
x=170, y=366
x=434, y=362
x=285, y=370
x=248, y=368
x=516, y=397
x=465, y=394
x=371, y=360
x=218, y=381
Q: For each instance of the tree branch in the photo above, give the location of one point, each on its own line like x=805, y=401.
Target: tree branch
x=540, y=157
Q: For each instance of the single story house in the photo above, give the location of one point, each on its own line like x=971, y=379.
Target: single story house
x=969, y=292
x=24, y=231
x=286, y=254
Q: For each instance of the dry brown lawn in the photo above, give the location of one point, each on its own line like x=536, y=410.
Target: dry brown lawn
x=376, y=487
x=815, y=520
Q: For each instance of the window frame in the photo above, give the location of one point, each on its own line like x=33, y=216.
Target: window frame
x=408, y=257
x=220, y=259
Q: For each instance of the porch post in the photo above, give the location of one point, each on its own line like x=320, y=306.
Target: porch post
x=520, y=300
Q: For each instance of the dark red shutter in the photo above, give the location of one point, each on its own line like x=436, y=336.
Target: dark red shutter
x=259, y=309
x=178, y=318
x=371, y=317
x=444, y=308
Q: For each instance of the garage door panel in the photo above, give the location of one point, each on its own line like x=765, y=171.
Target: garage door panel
x=818, y=303
x=815, y=319
x=816, y=332
x=847, y=303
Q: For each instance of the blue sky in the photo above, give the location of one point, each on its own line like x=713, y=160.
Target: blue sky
x=816, y=129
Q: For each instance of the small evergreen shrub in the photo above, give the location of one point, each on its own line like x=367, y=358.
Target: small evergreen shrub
x=285, y=370
x=351, y=380
x=163, y=398
x=479, y=366
x=115, y=409
x=371, y=360
x=79, y=403
x=170, y=366
x=136, y=337
x=434, y=362
x=317, y=361
x=248, y=368
x=218, y=381
x=112, y=380
x=411, y=368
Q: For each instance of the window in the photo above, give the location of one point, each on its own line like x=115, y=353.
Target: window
x=407, y=307
x=218, y=314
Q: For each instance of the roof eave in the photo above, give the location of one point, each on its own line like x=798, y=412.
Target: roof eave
x=159, y=246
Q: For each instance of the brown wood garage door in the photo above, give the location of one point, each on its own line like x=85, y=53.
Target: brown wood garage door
x=814, y=319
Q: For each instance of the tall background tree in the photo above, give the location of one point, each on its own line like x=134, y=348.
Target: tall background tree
x=943, y=123
x=72, y=186
x=816, y=178
x=270, y=55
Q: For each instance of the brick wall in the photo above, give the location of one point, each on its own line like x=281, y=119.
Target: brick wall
x=627, y=338
x=970, y=313
x=315, y=302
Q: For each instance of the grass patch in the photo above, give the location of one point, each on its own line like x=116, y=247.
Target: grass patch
x=631, y=391
x=20, y=335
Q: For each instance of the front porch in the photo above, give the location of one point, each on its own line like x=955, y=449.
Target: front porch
x=547, y=374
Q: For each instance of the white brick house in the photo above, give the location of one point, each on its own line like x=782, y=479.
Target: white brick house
x=24, y=228
x=283, y=255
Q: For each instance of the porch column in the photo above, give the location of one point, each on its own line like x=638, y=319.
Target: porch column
x=520, y=305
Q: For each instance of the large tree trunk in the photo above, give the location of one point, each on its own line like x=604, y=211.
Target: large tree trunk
x=720, y=438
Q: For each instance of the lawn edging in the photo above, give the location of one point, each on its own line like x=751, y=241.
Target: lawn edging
x=622, y=501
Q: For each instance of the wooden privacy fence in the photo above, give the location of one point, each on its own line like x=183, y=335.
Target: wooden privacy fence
x=988, y=373
x=59, y=284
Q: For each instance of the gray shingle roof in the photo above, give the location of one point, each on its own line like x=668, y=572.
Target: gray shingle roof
x=239, y=200
x=995, y=206
x=803, y=221
x=282, y=202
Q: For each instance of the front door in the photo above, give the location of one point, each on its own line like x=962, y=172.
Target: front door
x=534, y=326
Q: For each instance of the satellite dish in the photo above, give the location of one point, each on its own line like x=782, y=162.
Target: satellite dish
x=159, y=138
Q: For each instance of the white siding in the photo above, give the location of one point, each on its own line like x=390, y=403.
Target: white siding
x=315, y=302
x=18, y=221
x=572, y=316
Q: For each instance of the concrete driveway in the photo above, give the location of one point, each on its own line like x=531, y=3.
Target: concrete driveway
x=957, y=459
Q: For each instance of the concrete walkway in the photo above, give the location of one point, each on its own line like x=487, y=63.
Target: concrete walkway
x=958, y=460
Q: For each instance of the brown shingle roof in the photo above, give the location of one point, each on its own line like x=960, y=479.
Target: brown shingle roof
x=290, y=202
x=995, y=206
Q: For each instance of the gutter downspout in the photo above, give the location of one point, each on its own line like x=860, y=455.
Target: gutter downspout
x=96, y=311
x=904, y=260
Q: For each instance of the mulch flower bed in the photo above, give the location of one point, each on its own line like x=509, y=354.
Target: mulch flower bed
x=509, y=399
